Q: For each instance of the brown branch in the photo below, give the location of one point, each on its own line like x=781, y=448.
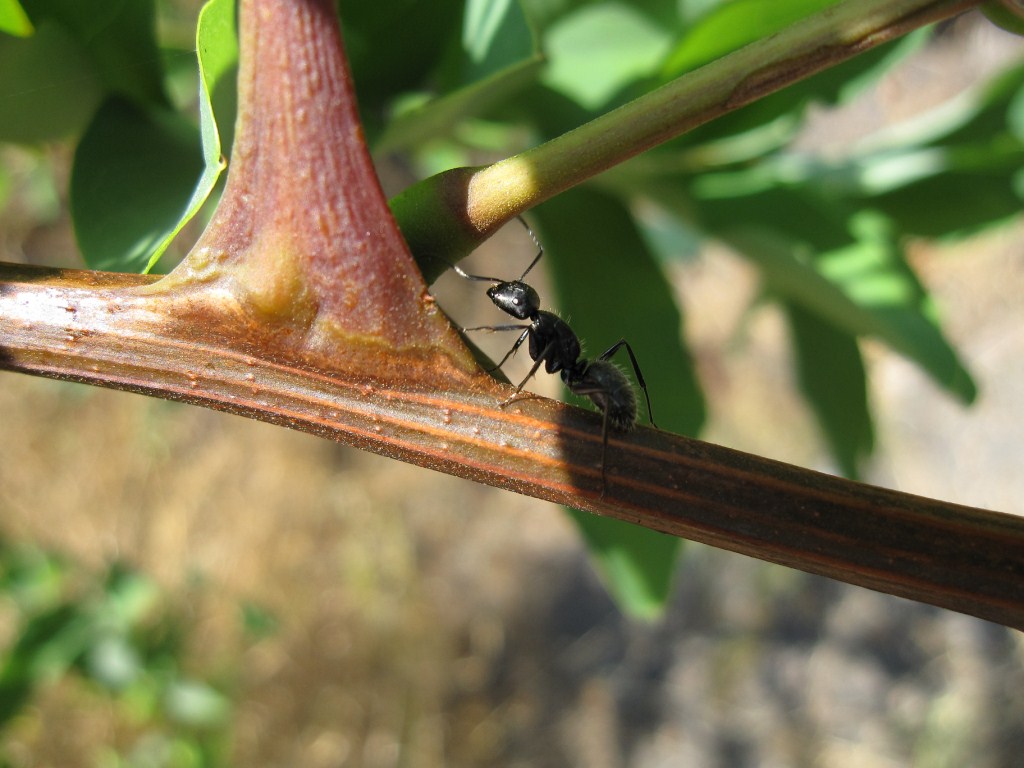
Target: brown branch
x=107, y=330
x=301, y=306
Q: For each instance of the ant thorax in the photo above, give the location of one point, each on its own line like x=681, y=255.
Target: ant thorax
x=553, y=342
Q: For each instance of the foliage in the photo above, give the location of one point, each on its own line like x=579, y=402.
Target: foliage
x=479, y=79
x=120, y=643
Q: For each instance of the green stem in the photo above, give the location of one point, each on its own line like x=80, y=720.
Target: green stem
x=452, y=213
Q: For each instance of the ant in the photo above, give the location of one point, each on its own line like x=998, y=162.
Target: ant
x=554, y=344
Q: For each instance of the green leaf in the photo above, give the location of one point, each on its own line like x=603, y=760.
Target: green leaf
x=611, y=287
x=32, y=579
x=436, y=118
x=833, y=379
x=217, y=50
x=217, y=46
x=132, y=175
x=196, y=704
x=48, y=87
x=45, y=649
x=501, y=59
x=13, y=20
x=599, y=50
x=495, y=36
x=128, y=597
x=955, y=171
x=636, y=564
x=999, y=13
x=112, y=661
x=118, y=37
x=956, y=204
x=398, y=47
x=850, y=272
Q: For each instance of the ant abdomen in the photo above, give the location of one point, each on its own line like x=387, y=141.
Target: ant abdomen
x=608, y=388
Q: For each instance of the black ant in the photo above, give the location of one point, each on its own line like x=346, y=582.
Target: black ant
x=554, y=344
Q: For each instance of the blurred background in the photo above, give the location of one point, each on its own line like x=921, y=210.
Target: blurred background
x=186, y=588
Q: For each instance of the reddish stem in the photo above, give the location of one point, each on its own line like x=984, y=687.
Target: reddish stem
x=301, y=306
x=89, y=327
x=303, y=245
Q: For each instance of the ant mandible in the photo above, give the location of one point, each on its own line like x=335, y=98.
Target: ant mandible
x=554, y=344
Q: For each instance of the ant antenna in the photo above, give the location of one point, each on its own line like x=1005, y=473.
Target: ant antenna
x=540, y=248
x=497, y=280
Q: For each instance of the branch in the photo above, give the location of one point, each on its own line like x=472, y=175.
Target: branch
x=107, y=330
x=301, y=306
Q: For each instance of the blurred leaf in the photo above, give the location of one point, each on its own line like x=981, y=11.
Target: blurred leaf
x=397, y=47
x=217, y=47
x=48, y=89
x=113, y=662
x=484, y=19
x=610, y=287
x=979, y=114
x=833, y=379
x=954, y=171
x=32, y=578
x=13, y=20
x=998, y=12
x=732, y=26
x=502, y=58
x=196, y=704
x=45, y=649
x=955, y=204
x=636, y=564
x=416, y=125
x=118, y=36
x=597, y=51
x=849, y=272
x=495, y=36
x=133, y=173
x=257, y=621
x=128, y=597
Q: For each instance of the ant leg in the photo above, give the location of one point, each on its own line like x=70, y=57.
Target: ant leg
x=515, y=347
x=636, y=369
x=604, y=453
x=537, y=363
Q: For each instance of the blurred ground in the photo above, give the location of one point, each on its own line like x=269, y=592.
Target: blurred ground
x=427, y=621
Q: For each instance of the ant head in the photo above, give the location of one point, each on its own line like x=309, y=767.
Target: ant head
x=516, y=298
